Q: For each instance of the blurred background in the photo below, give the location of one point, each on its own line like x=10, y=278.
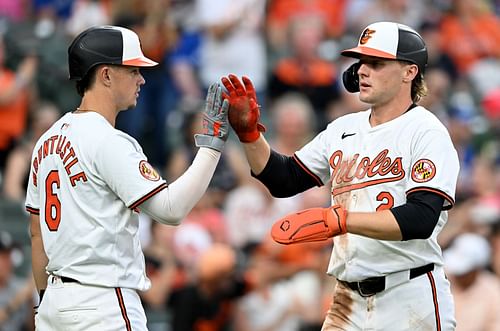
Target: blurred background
x=219, y=270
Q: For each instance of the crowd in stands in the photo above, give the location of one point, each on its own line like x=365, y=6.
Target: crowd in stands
x=219, y=270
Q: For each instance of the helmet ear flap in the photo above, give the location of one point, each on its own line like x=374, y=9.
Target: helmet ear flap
x=350, y=78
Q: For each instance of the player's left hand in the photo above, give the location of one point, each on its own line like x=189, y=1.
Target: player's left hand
x=215, y=122
x=308, y=225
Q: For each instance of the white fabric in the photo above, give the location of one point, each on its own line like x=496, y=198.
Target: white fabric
x=77, y=307
x=96, y=240
x=172, y=204
x=415, y=305
x=384, y=38
x=372, y=166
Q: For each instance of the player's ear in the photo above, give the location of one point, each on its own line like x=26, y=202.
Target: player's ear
x=410, y=72
x=103, y=74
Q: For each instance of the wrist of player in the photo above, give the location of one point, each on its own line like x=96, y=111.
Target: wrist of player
x=209, y=141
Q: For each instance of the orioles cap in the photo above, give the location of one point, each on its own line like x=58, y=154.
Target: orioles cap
x=389, y=40
x=105, y=45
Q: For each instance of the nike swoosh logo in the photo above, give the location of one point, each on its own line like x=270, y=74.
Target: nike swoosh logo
x=345, y=135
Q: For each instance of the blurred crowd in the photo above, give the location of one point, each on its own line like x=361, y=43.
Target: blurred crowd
x=219, y=270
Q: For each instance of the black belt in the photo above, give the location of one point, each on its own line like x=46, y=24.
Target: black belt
x=68, y=280
x=371, y=286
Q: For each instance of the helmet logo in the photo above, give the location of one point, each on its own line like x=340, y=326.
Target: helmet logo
x=365, y=36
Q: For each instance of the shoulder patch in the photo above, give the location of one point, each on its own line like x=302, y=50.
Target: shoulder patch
x=423, y=171
x=147, y=171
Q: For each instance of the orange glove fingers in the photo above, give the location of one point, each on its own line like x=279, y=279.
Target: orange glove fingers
x=238, y=86
x=249, y=88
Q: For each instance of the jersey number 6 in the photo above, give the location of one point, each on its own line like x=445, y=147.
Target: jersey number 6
x=52, y=202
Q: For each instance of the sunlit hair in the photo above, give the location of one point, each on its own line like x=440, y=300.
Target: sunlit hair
x=418, y=88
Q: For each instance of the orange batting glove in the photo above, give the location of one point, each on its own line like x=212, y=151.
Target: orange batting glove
x=314, y=224
x=244, y=113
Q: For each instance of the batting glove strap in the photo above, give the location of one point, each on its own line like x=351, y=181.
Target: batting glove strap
x=215, y=143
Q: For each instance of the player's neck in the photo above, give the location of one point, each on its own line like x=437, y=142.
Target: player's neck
x=91, y=104
x=387, y=112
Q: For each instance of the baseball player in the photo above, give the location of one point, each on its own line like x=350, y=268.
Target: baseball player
x=88, y=181
x=393, y=171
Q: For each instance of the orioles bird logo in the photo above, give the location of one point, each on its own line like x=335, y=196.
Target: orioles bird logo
x=365, y=36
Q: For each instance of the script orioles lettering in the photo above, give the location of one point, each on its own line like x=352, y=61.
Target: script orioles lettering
x=349, y=174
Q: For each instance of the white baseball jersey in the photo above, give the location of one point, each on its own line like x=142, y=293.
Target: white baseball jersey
x=86, y=180
x=375, y=168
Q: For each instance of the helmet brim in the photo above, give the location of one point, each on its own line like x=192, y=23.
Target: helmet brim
x=140, y=62
x=358, y=51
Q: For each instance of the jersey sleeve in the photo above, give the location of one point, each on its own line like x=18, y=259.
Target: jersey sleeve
x=434, y=165
x=125, y=169
x=32, y=203
x=313, y=157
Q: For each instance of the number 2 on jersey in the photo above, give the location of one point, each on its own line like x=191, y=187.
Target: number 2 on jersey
x=387, y=201
x=52, y=202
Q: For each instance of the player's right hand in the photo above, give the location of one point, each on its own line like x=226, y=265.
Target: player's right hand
x=215, y=123
x=309, y=225
x=244, y=113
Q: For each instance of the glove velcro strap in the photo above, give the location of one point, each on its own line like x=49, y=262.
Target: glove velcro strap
x=203, y=140
x=309, y=225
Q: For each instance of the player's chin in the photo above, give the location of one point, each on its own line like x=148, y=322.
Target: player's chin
x=365, y=97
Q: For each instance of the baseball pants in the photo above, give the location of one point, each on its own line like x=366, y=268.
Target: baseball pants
x=422, y=303
x=71, y=306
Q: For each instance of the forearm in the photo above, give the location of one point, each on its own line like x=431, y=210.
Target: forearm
x=172, y=204
x=39, y=259
x=377, y=225
x=257, y=154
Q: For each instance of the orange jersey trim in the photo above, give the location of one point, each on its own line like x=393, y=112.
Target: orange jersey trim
x=309, y=172
x=32, y=210
x=123, y=310
x=357, y=186
x=436, y=191
x=147, y=196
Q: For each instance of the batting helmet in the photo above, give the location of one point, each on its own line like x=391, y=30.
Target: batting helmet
x=386, y=40
x=105, y=45
x=390, y=40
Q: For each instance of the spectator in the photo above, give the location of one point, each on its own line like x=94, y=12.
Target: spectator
x=304, y=70
x=18, y=161
x=282, y=12
x=495, y=245
x=207, y=304
x=466, y=262
x=87, y=13
x=148, y=123
x=15, y=293
x=232, y=30
x=470, y=32
x=289, y=281
x=360, y=13
x=14, y=100
x=231, y=170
